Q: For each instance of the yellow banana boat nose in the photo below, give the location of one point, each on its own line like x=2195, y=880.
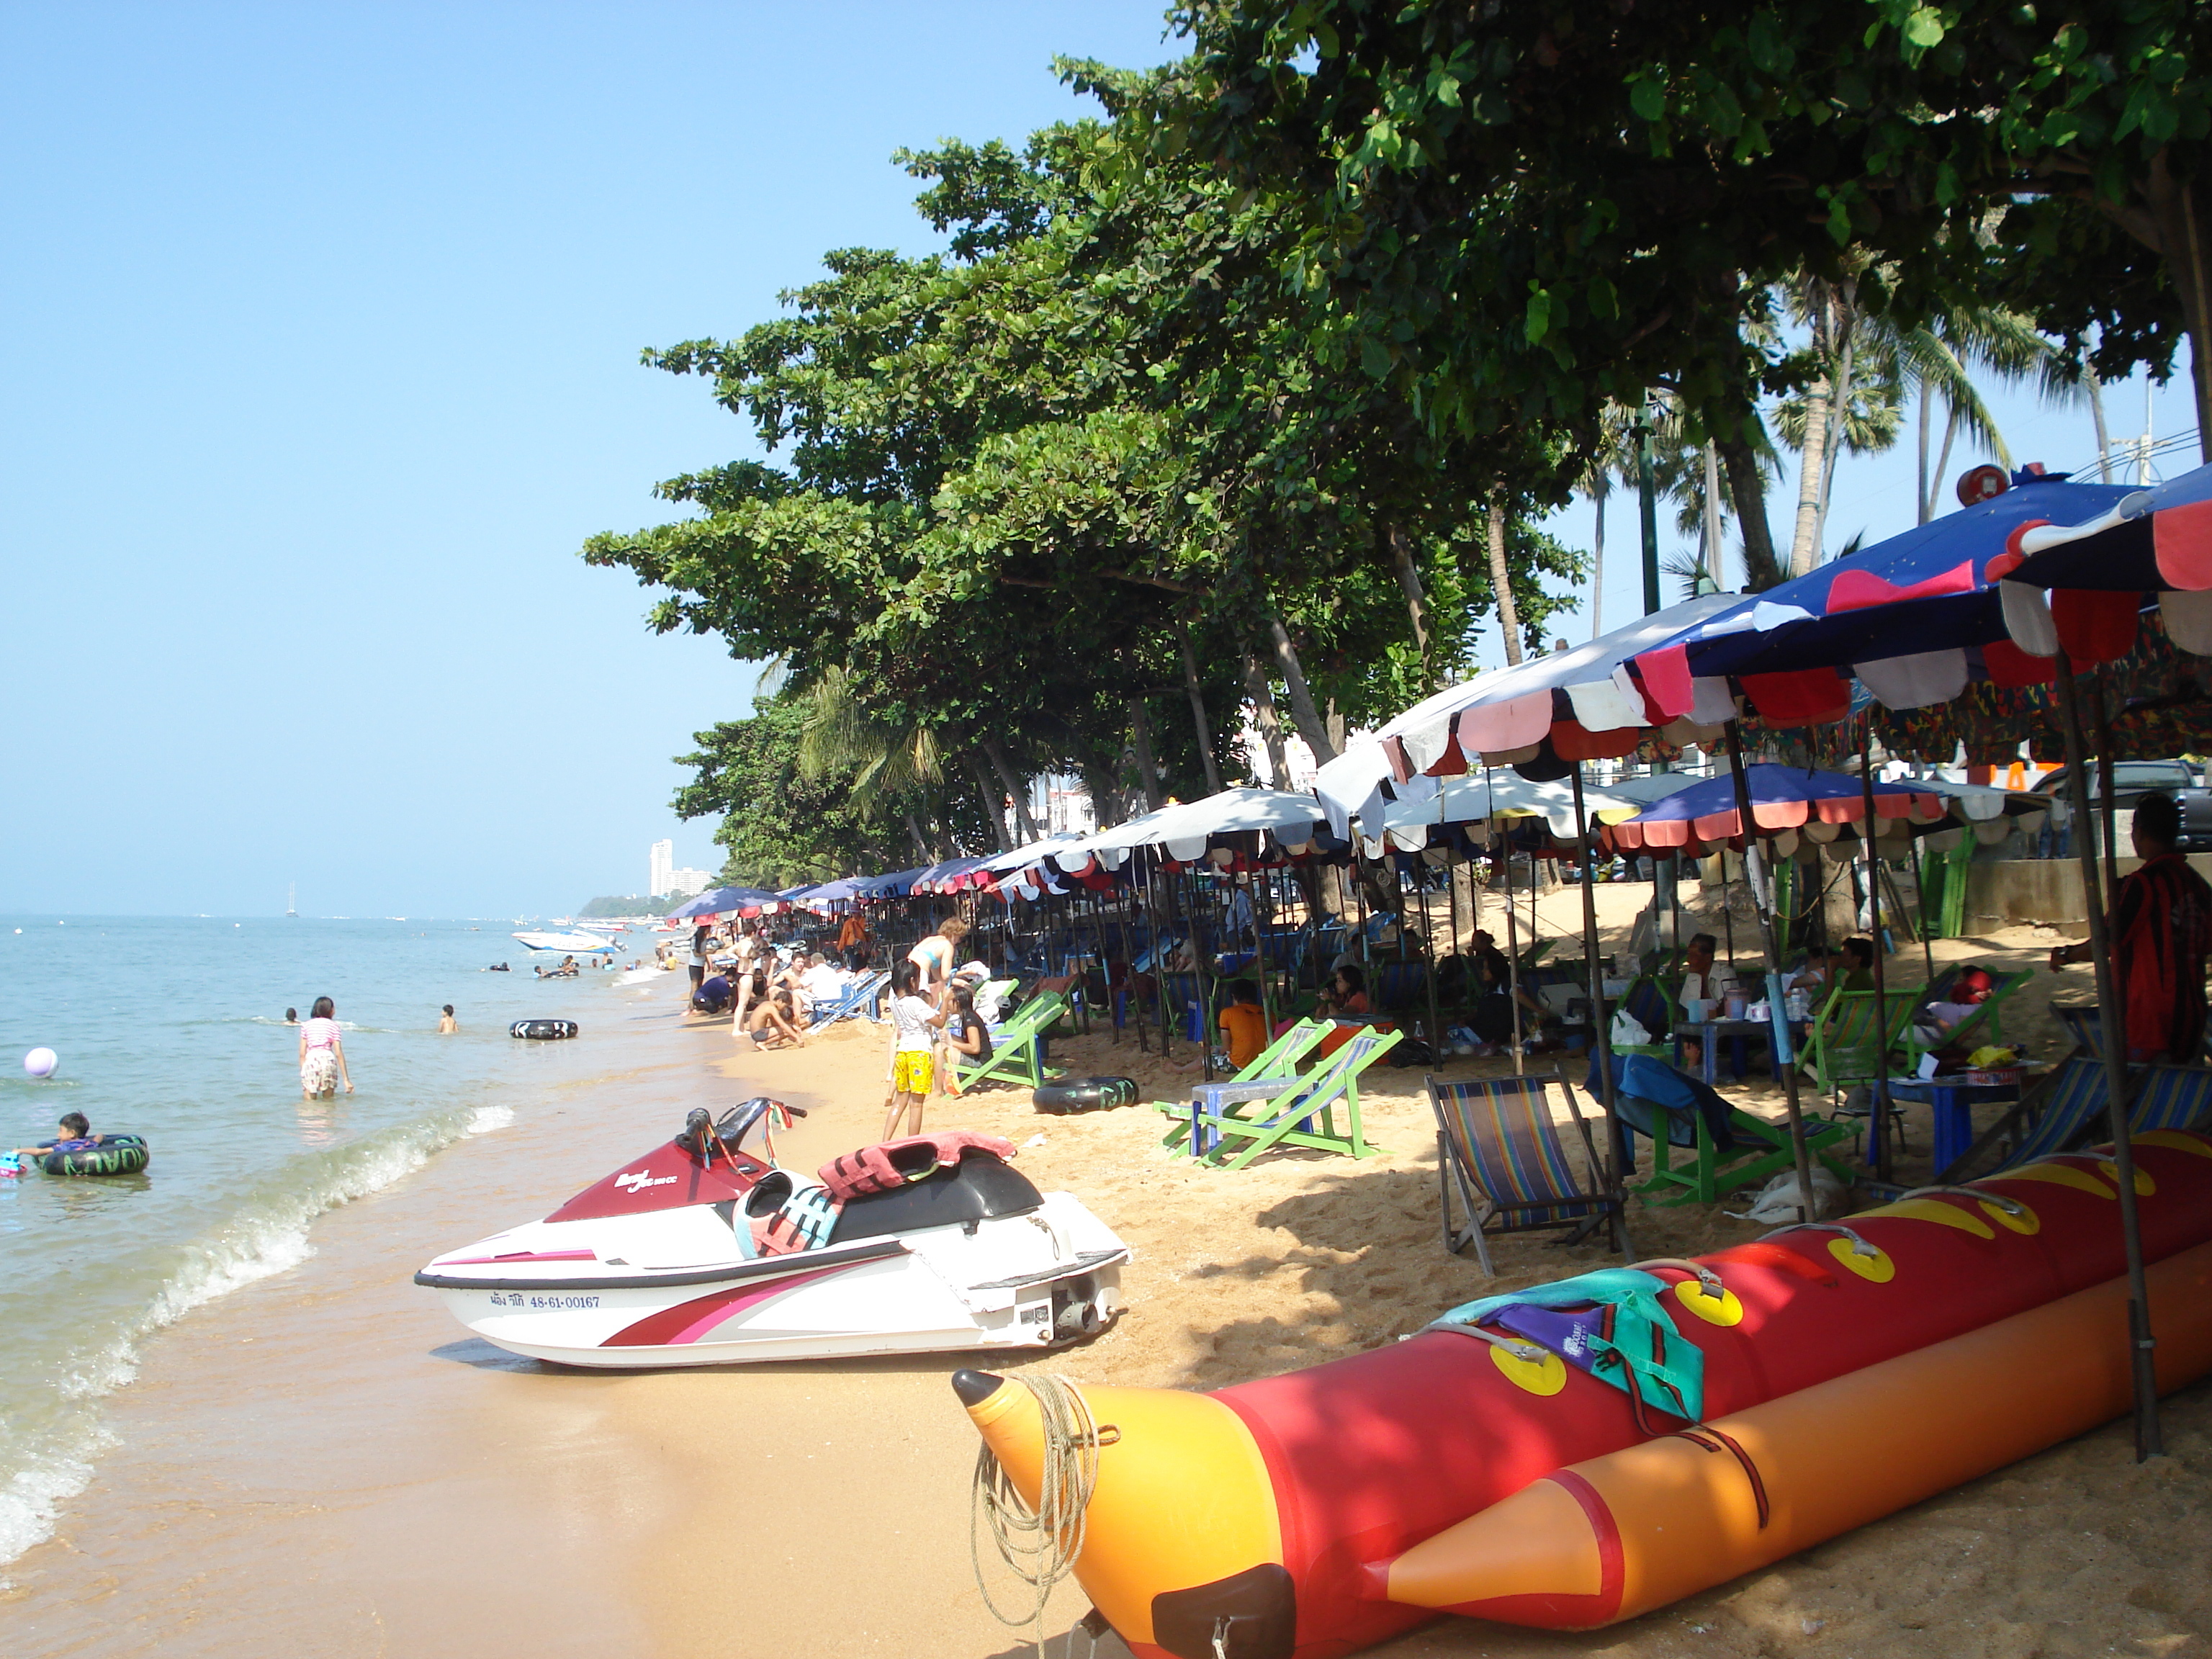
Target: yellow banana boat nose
x=1181, y=1542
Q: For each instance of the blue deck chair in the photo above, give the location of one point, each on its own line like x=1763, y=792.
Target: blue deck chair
x=860, y=999
x=1728, y=1148
x=1498, y=1149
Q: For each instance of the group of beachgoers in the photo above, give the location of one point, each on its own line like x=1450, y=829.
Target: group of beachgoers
x=323, y=1069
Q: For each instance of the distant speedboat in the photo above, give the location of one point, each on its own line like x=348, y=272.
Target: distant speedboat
x=574, y=944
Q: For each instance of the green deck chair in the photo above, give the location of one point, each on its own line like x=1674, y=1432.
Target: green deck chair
x=1761, y=1149
x=1842, y=1048
x=1499, y=1148
x=1016, y=1047
x=1280, y=1059
x=1984, y=1024
x=1232, y=1124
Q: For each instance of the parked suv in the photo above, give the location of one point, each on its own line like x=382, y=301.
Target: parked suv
x=2133, y=779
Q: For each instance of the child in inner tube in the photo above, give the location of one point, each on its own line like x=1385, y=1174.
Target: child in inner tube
x=77, y=1136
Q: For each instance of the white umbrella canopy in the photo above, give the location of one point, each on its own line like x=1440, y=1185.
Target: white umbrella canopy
x=1183, y=829
x=1477, y=798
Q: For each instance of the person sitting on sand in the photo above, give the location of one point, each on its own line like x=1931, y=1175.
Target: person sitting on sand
x=322, y=1052
x=716, y=994
x=1243, y=1025
x=915, y=1021
x=75, y=1136
x=446, y=1024
x=767, y=1019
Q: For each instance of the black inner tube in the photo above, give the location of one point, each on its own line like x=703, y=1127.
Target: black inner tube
x=114, y=1154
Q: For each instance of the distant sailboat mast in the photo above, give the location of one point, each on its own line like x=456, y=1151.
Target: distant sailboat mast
x=291, y=899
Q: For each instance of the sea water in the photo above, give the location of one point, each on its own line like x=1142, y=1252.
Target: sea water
x=173, y=1028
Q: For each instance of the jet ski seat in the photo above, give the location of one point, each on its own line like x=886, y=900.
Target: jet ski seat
x=981, y=1187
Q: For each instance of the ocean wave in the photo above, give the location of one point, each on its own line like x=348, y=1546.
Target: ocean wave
x=266, y=1236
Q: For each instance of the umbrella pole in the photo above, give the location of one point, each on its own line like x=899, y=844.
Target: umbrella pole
x=1199, y=956
x=1920, y=898
x=1428, y=953
x=1778, y=1002
x=1512, y=955
x=1601, y=1040
x=1159, y=953
x=2108, y=808
x=2149, y=1443
x=1259, y=957
x=1123, y=907
x=1868, y=838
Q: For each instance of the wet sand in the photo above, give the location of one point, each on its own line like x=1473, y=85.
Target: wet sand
x=323, y=1463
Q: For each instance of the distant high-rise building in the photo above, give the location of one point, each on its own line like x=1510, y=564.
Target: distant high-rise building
x=688, y=882
x=663, y=859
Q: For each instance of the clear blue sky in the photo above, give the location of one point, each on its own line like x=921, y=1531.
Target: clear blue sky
x=318, y=337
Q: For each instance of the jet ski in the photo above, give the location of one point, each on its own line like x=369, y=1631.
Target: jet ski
x=704, y=1251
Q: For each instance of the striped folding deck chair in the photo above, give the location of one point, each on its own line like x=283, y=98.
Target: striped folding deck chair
x=1279, y=1060
x=1231, y=1124
x=2169, y=1097
x=2057, y=1112
x=2084, y=1024
x=1842, y=1048
x=1498, y=1147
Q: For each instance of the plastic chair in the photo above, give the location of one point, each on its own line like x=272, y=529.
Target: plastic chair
x=1498, y=1149
x=1268, y=1113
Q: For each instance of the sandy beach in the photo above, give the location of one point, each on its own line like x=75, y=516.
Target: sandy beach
x=323, y=1463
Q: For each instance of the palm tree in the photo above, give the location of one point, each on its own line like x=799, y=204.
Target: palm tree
x=1613, y=458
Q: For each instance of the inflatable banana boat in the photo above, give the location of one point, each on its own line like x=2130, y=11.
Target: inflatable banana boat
x=1569, y=1456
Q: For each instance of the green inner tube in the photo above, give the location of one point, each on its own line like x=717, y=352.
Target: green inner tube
x=115, y=1155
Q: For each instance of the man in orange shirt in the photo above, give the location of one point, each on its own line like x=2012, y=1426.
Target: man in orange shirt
x=1244, y=1024
x=853, y=940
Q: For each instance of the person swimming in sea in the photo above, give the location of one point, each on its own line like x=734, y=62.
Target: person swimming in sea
x=75, y=1136
x=446, y=1024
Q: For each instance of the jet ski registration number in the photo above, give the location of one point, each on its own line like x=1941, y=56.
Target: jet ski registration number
x=517, y=1299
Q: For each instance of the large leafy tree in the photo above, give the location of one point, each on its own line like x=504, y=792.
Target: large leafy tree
x=1522, y=212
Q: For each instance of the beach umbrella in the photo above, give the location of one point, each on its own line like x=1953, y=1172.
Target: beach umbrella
x=1183, y=831
x=720, y=901
x=1783, y=799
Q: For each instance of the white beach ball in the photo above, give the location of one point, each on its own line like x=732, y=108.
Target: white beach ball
x=42, y=1062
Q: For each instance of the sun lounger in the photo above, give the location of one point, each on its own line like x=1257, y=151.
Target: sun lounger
x=1842, y=1048
x=1232, y=1124
x=2057, y=1114
x=1017, y=1045
x=1498, y=1149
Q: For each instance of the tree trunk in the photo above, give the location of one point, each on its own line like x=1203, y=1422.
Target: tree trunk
x=1268, y=719
x=1198, y=711
x=1017, y=789
x=1926, y=496
x=2097, y=415
x=920, y=845
x=1839, y=403
x=2182, y=209
x=1105, y=796
x=1501, y=583
x=1417, y=604
x=1747, y=495
x=1715, y=557
x=989, y=797
x=1811, y=459
x=1598, y=494
x=1140, y=742
x=1303, y=714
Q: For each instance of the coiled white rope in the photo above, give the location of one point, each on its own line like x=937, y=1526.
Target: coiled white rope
x=1040, y=1545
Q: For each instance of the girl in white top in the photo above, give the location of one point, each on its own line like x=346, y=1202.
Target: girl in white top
x=322, y=1052
x=915, y=1021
